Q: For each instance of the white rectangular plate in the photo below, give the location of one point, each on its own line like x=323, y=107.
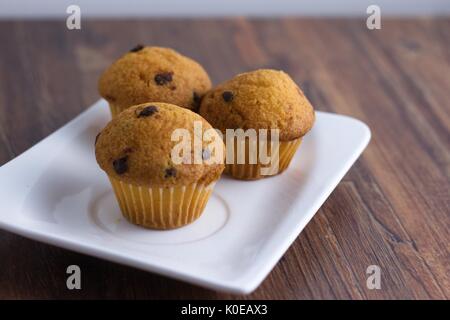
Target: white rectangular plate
x=56, y=193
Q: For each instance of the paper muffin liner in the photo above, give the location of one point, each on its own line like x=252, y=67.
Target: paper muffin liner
x=258, y=170
x=159, y=207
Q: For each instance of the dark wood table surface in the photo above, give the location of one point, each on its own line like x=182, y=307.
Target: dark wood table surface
x=391, y=209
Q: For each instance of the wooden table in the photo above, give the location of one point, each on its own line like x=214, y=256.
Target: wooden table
x=392, y=209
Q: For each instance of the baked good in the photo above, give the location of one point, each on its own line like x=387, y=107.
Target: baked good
x=154, y=189
x=153, y=74
x=261, y=99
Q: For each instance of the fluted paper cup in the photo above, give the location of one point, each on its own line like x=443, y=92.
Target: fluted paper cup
x=161, y=207
x=258, y=170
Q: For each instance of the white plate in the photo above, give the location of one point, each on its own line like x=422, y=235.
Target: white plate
x=56, y=193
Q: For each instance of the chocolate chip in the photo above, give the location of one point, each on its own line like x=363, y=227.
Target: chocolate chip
x=196, y=100
x=163, y=78
x=170, y=172
x=139, y=47
x=147, y=111
x=227, y=96
x=120, y=165
x=206, y=154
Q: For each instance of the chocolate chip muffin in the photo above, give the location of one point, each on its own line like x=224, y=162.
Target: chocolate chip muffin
x=261, y=99
x=157, y=183
x=153, y=74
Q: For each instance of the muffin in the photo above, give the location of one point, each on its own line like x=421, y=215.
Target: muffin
x=261, y=99
x=154, y=189
x=153, y=74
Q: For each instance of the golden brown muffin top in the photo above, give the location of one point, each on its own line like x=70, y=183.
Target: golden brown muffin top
x=135, y=147
x=154, y=74
x=261, y=99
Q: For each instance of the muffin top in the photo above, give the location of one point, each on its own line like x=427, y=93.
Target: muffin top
x=261, y=99
x=154, y=74
x=136, y=147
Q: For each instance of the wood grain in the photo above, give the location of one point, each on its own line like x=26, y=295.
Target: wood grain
x=392, y=209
